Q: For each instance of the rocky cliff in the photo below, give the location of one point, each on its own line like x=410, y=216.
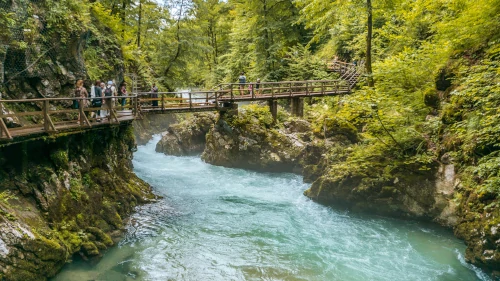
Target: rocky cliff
x=64, y=196
x=188, y=136
x=251, y=140
x=152, y=124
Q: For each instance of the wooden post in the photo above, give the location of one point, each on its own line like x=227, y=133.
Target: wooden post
x=3, y=128
x=111, y=110
x=206, y=99
x=190, y=101
x=307, y=89
x=273, y=107
x=290, y=88
x=136, y=106
x=322, y=87
x=83, y=117
x=272, y=90
x=47, y=122
x=231, y=89
x=253, y=90
x=217, y=100
x=162, y=102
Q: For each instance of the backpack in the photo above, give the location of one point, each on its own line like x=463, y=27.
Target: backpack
x=108, y=92
x=243, y=79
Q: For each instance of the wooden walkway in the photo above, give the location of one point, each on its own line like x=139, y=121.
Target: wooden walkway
x=56, y=115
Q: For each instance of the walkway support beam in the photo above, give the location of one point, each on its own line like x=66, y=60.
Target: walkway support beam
x=297, y=106
x=273, y=107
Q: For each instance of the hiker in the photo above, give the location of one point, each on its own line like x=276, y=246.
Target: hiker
x=97, y=101
x=109, y=91
x=242, y=79
x=122, y=91
x=104, y=113
x=154, y=95
x=257, y=86
x=81, y=92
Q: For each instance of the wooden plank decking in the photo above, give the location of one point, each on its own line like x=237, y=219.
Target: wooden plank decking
x=55, y=115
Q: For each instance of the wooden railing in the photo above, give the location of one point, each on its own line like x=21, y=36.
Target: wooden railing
x=54, y=114
x=236, y=92
x=51, y=115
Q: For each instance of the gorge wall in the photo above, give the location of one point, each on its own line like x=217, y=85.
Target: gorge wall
x=64, y=196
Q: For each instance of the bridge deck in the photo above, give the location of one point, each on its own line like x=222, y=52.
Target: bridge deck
x=56, y=115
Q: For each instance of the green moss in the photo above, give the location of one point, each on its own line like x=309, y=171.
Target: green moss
x=331, y=127
x=431, y=98
x=60, y=159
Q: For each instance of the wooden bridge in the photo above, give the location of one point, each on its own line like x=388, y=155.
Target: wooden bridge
x=56, y=115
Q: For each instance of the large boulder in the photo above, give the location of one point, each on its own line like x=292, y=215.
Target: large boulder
x=188, y=136
x=252, y=140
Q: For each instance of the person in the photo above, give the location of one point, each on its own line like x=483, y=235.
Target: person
x=242, y=79
x=154, y=95
x=109, y=91
x=104, y=112
x=97, y=101
x=81, y=92
x=123, y=93
x=257, y=86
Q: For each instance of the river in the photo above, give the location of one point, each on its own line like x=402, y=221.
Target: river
x=216, y=223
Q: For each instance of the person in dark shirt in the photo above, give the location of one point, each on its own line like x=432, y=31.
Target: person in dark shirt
x=154, y=95
x=97, y=102
x=242, y=79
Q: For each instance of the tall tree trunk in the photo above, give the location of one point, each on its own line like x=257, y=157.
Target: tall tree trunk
x=139, y=25
x=178, y=37
x=369, y=71
x=123, y=15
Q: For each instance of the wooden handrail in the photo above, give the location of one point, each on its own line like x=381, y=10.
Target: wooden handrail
x=142, y=103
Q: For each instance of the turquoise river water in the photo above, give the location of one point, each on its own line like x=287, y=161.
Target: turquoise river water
x=216, y=223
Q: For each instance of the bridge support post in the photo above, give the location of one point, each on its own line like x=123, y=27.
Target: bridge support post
x=297, y=105
x=273, y=107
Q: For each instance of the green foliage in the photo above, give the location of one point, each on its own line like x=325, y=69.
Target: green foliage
x=60, y=159
x=5, y=196
x=301, y=64
x=253, y=114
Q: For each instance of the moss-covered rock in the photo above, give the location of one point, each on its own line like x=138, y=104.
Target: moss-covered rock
x=152, y=124
x=188, y=136
x=68, y=194
x=252, y=140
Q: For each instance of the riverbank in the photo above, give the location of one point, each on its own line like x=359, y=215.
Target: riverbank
x=65, y=196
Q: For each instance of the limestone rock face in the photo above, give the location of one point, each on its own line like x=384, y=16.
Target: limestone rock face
x=65, y=196
x=250, y=141
x=151, y=124
x=419, y=195
x=479, y=226
x=188, y=136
